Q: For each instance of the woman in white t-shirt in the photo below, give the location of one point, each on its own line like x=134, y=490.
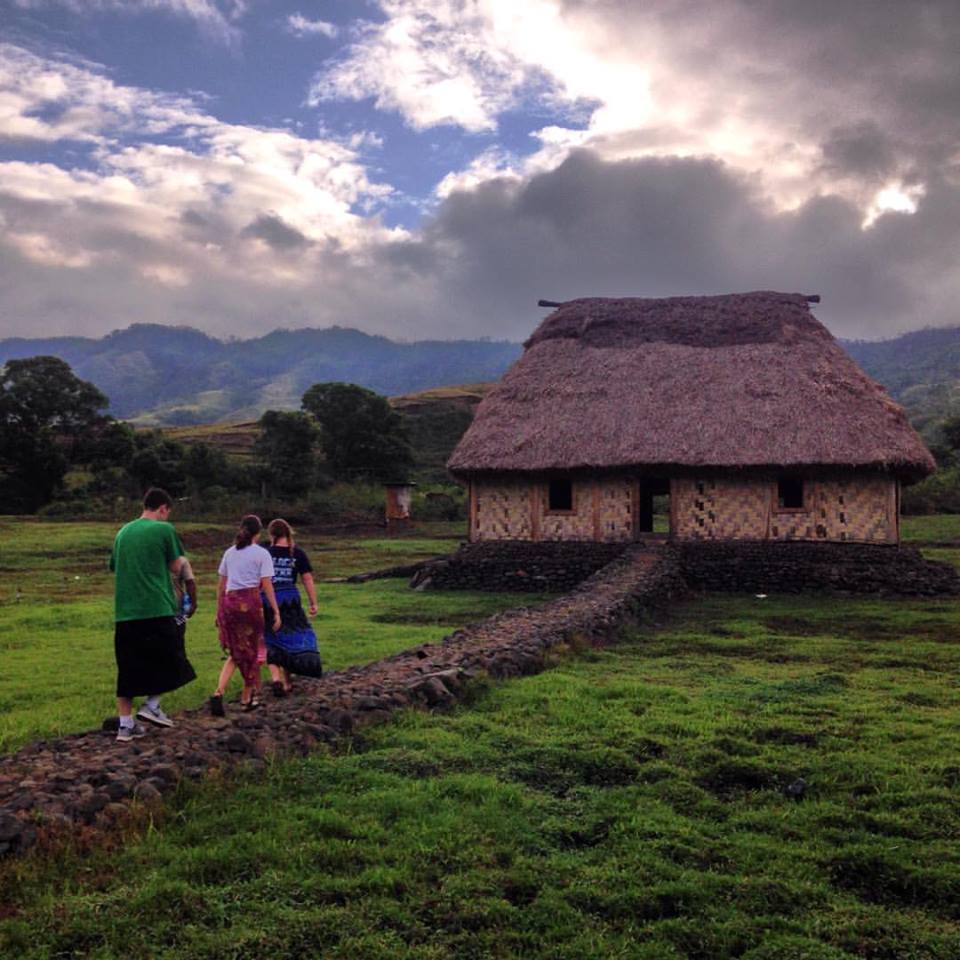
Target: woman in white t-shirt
x=245, y=570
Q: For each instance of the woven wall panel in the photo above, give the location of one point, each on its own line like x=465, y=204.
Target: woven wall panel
x=721, y=509
x=616, y=510
x=836, y=510
x=603, y=511
x=856, y=509
x=503, y=511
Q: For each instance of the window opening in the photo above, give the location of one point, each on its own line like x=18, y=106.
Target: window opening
x=561, y=495
x=790, y=493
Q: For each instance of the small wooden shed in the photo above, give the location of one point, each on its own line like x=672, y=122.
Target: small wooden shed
x=742, y=409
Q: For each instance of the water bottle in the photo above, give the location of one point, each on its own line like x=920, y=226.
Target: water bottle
x=185, y=605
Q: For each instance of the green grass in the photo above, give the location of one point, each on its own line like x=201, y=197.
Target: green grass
x=626, y=803
x=942, y=528
x=57, y=638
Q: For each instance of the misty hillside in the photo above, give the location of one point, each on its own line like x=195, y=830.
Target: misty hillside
x=921, y=370
x=171, y=375
x=176, y=375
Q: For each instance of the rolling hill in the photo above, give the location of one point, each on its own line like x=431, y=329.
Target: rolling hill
x=157, y=375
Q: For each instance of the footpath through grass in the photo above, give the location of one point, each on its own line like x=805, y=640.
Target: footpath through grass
x=56, y=617
x=626, y=803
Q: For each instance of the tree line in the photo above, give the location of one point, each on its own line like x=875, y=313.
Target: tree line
x=54, y=427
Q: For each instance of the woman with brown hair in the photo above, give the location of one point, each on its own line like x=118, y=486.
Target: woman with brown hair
x=246, y=570
x=291, y=648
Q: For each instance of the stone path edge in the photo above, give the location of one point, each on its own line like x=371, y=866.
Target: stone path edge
x=88, y=781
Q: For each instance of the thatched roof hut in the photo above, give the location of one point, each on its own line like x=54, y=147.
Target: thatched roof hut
x=734, y=382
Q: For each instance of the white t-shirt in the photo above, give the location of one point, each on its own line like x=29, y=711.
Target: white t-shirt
x=244, y=568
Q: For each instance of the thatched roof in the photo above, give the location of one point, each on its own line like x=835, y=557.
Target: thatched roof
x=738, y=381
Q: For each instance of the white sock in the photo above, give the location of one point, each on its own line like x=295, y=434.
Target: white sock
x=127, y=722
x=153, y=703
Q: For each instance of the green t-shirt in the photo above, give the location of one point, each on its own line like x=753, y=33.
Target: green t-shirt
x=142, y=553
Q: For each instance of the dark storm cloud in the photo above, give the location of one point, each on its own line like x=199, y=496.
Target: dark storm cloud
x=275, y=232
x=661, y=227
x=883, y=65
x=861, y=150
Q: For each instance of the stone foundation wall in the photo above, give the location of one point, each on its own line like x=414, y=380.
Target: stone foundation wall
x=518, y=566
x=862, y=509
x=764, y=567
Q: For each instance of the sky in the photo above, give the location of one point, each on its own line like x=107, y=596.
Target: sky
x=429, y=169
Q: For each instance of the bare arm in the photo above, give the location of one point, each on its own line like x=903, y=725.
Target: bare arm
x=221, y=590
x=191, y=587
x=311, y=589
x=266, y=585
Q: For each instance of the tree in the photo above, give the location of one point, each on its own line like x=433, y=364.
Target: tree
x=360, y=435
x=46, y=413
x=285, y=450
x=206, y=466
x=158, y=462
x=950, y=431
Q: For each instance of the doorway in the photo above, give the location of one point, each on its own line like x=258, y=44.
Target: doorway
x=653, y=506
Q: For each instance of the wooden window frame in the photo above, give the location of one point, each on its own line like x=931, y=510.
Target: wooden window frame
x=804, y=488
x=572, y=512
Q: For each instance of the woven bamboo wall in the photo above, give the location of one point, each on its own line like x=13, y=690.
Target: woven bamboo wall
x=602, y=511
x=863, y=509
x=860, y=509
x=502, y=512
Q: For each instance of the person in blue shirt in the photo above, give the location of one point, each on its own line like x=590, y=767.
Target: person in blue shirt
x=293, y=647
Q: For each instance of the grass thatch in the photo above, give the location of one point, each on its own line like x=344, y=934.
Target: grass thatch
x=749, y=380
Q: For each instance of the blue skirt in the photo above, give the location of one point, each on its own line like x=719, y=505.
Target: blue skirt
x=294, y=645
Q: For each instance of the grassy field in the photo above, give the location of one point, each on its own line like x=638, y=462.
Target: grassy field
x=627, y=803
x=56, y=610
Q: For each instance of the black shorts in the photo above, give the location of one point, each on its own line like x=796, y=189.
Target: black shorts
x=151, y=658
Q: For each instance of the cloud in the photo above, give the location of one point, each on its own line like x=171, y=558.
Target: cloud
x=216, y=19
x=231, y=261
x=432, y=61
x=300, y=26
x=275, y=233
x=673, y=226
x=843, y=98
x=51, y=100
x=215, y=200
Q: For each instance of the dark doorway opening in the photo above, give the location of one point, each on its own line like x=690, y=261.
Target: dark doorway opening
x=654, y=499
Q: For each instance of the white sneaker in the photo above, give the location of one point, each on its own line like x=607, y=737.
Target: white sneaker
x=154, y=715
x=126, y=734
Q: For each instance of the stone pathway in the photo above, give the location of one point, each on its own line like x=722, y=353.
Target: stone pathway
x=88, y=778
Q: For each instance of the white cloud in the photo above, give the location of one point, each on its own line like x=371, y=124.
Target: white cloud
x=758, y=86
x=215, y=18
x=49, y=101
x=433, y=62
x=300, y=26
x=217, y=202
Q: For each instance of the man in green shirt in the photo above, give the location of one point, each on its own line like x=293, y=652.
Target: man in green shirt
x=151, y=658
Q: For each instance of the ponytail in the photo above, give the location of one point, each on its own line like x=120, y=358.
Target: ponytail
x=250, y=526
x=281, y=530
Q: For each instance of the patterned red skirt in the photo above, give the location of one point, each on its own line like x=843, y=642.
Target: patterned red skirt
x=241, y=631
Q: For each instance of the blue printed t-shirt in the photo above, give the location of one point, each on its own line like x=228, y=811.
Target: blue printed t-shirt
x=142, y=553
x=287, y=568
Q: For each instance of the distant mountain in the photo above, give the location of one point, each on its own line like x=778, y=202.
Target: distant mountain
x=176, y=375
x=155, y=374
x=921, y=370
